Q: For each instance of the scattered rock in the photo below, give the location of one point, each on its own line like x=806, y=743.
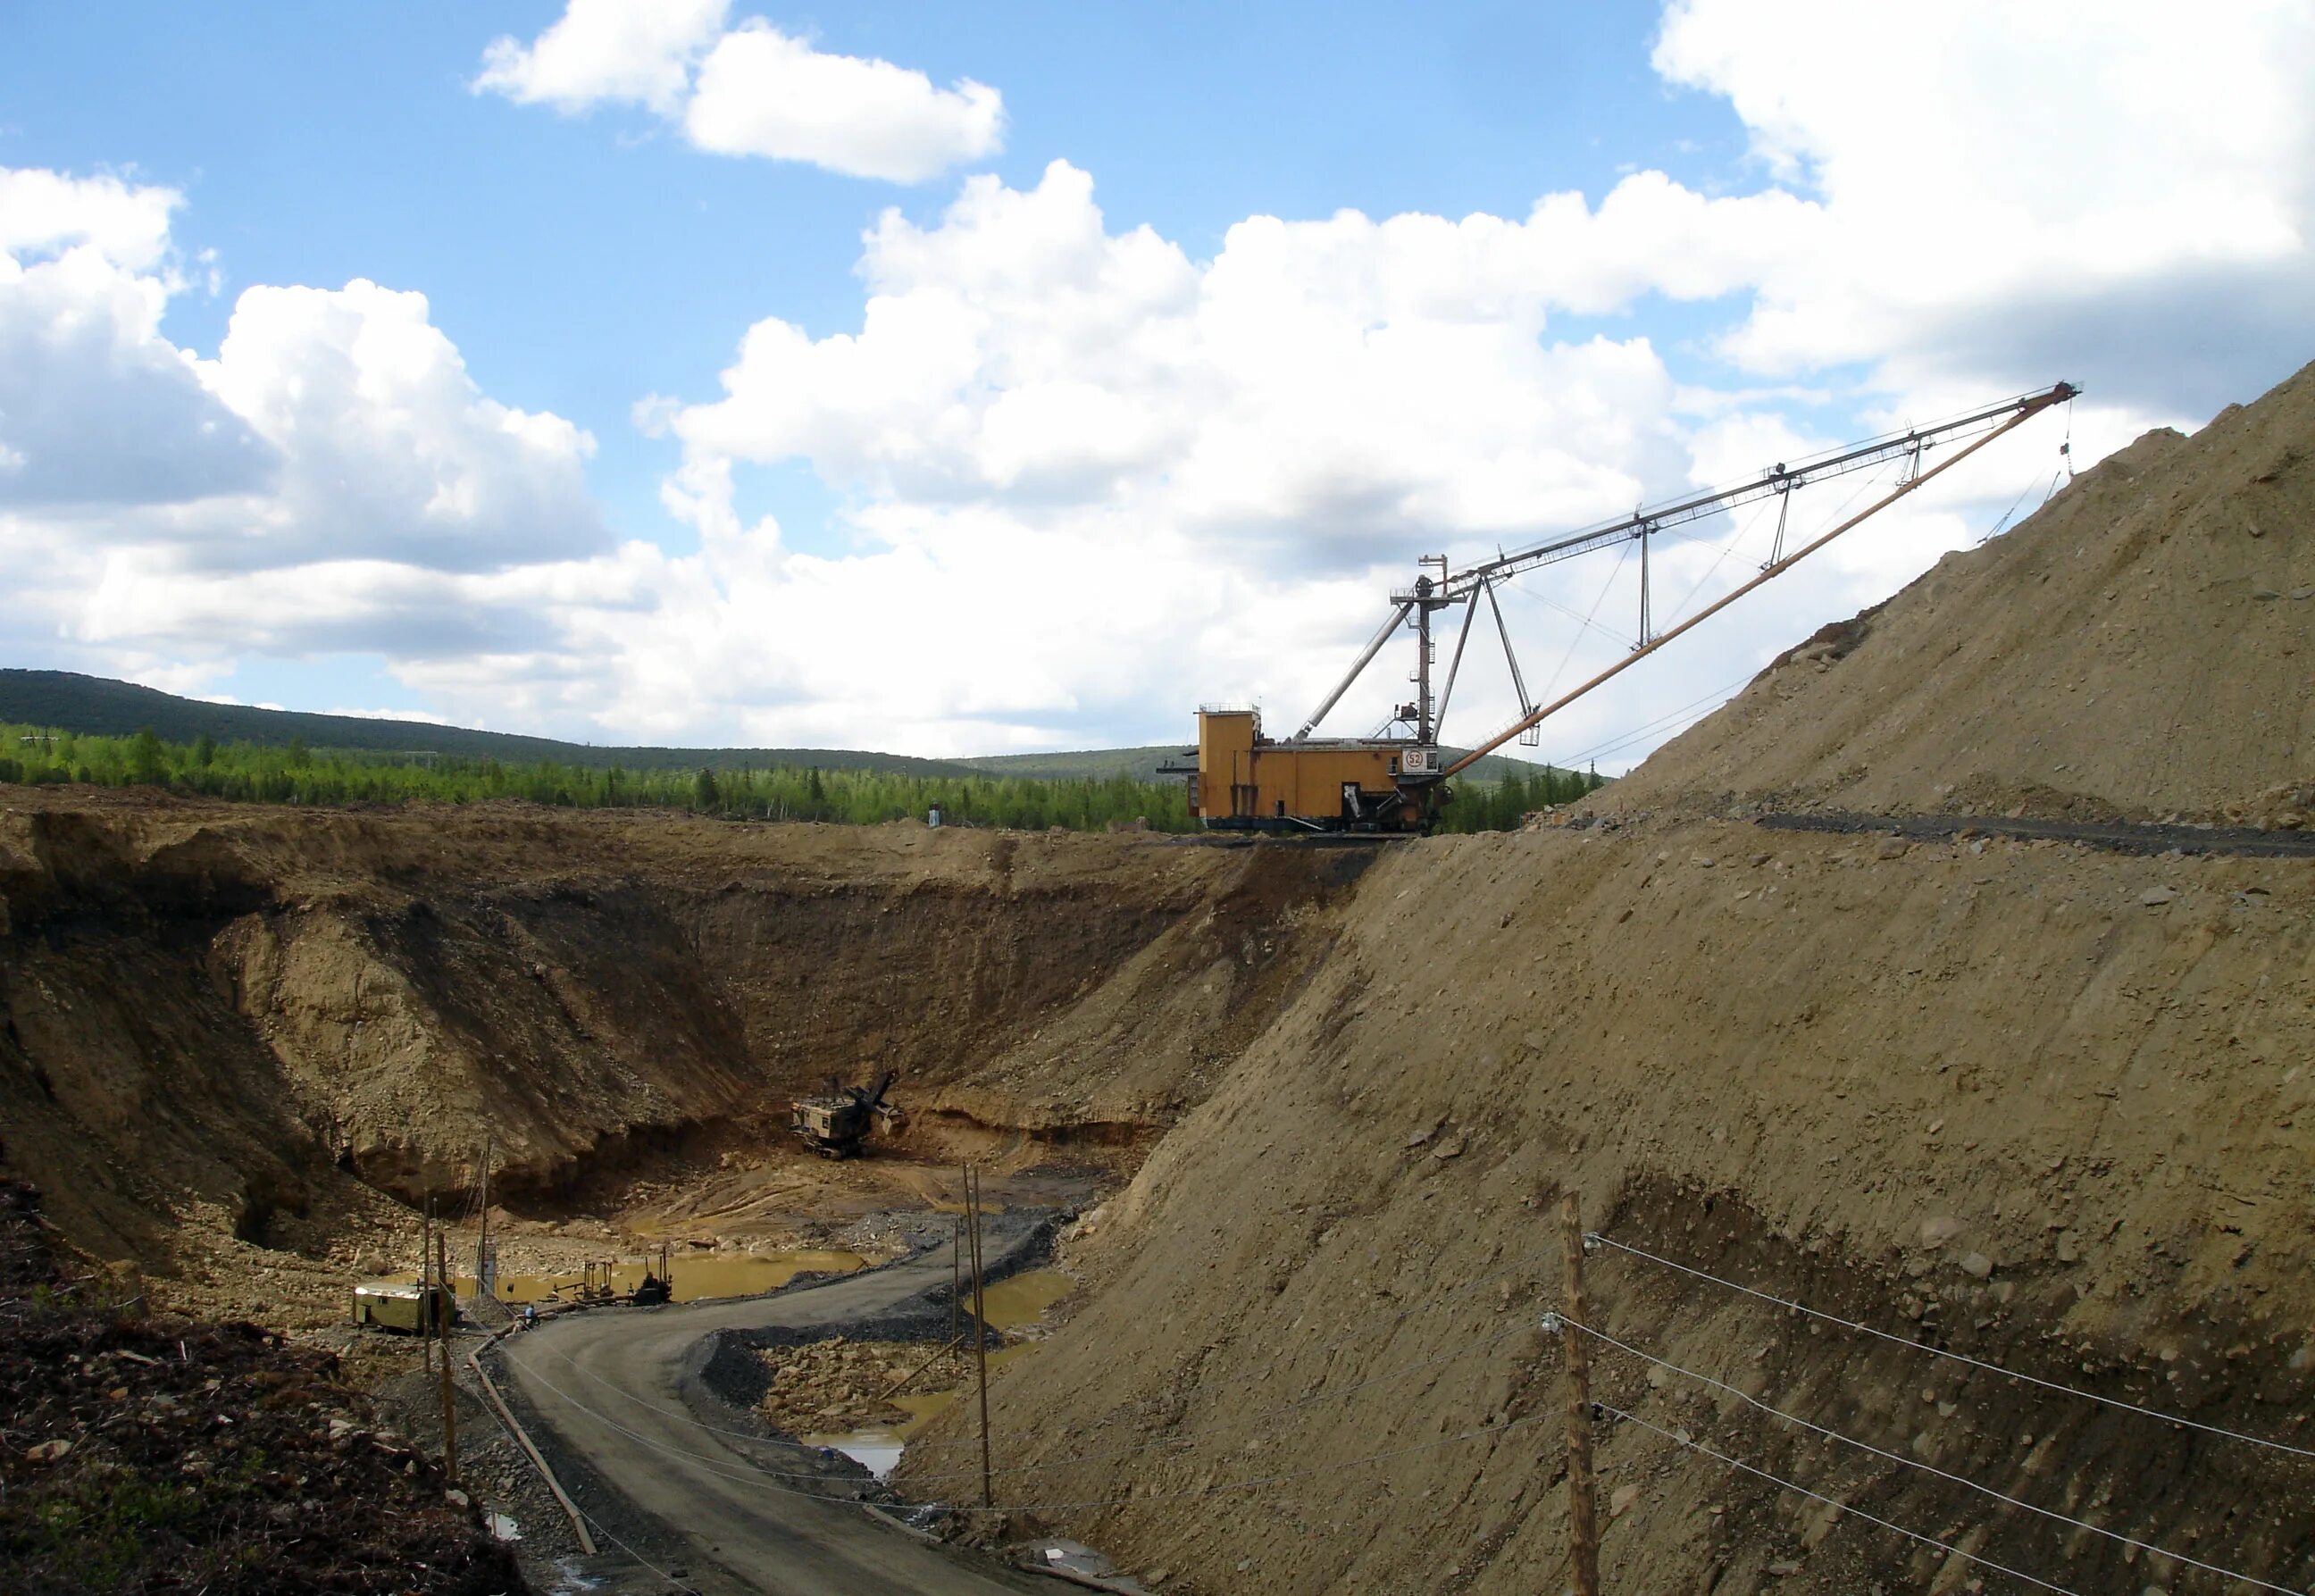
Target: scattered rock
x=1940, y=1229
x=1976, y=1265
x=1622, y=1500
x=2155, y=897
x=48, y=1451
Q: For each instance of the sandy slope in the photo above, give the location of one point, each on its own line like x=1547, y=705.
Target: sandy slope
x=2040, y=1105
x=2140, y=648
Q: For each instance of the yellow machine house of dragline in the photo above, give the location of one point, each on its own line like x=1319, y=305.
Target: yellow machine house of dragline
x=1394, y=781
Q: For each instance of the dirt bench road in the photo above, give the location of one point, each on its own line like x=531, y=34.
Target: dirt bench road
x=606, y=1387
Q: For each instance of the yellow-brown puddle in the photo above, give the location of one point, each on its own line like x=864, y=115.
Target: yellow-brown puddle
x=690, y=1279
x=1010, y=1304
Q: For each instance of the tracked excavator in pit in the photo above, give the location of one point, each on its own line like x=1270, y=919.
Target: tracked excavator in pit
x=838, y=1125
x=1394, y=782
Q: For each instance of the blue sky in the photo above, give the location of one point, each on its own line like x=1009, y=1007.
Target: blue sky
x=581, y=254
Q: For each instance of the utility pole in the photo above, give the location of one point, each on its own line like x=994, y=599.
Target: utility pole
x=484, y=1285
x=956, y=1279
x=980, y=1340
x=450, y=1406
x=425, y=1280
x=1582, y=1506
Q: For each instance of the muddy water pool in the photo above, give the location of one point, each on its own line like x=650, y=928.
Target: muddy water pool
x=1015, y=1304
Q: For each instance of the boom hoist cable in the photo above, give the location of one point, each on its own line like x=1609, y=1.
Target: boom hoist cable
x=1392, y=781
x=1910, y=447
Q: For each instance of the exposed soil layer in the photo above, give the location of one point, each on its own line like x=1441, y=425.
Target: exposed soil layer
x=151, y=1454
x=230, y=1036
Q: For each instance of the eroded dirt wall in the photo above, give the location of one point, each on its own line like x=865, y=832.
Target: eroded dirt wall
x=224, y=1009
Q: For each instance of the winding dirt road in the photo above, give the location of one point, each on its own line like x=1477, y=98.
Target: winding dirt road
x=607, y=1388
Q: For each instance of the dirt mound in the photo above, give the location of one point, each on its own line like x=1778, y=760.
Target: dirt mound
x=2138, y=648
x=145, y=1454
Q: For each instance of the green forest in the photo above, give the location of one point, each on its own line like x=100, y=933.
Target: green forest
x=292, y=773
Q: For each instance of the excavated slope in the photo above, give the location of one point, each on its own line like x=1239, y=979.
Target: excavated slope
x=2030, y=1103
x=2140, y=648
x=210, y=1010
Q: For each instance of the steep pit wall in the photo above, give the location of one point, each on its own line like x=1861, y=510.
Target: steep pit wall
x=234, y=1006
x=2049, y=1106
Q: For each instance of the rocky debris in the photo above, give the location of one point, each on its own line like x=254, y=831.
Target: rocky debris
x=160, y=1453
x=822, y=1387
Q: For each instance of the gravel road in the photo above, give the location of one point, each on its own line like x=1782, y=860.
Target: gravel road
x=609, y=1391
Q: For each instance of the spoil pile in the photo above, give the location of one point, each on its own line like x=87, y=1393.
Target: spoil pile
x=827, y=1385
x=2139, y=648
x=152, y=1454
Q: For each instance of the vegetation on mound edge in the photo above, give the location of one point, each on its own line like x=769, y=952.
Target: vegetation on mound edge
x=243, y=772
x=143, y=1454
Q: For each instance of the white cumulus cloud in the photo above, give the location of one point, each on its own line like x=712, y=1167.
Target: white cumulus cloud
x=326, y=481
x=637, y=52
x=2092, y=183
x=1087, y=477
x=754, y=90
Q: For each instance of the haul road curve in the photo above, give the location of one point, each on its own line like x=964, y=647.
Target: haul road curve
x=720, y=1497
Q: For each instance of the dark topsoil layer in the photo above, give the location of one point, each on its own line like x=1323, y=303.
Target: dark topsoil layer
x=153, y=1454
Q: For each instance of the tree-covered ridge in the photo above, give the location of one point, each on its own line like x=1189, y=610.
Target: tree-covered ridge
x=95, y=705
x=244, y=772
x=296, y=774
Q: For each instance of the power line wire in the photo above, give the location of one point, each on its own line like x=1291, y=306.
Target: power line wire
x=1921, y=1346
x=1814, y=1429
x=1783, y=1483
x=673, y=1583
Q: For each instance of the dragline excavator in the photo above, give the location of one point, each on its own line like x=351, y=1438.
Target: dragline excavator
x=1394, y=782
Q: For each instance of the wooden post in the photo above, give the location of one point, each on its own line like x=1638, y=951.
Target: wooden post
x=956, y=1283
x=980, y=1345
x=1582, y=1506
x=450, y=1406
x=483, y=1241
x=425, y=1278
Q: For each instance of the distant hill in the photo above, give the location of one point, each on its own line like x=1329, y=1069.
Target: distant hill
x=69, y=702
x=98, y=706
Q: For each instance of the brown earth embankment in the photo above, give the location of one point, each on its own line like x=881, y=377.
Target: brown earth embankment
x=222, y=1015
x=2037, y=1104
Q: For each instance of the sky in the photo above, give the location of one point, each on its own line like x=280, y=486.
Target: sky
x=951, y=380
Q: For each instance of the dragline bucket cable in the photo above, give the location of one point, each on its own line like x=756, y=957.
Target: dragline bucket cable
x=2026, y=409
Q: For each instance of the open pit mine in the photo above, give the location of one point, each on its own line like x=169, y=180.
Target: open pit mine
x=1868, y=1149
